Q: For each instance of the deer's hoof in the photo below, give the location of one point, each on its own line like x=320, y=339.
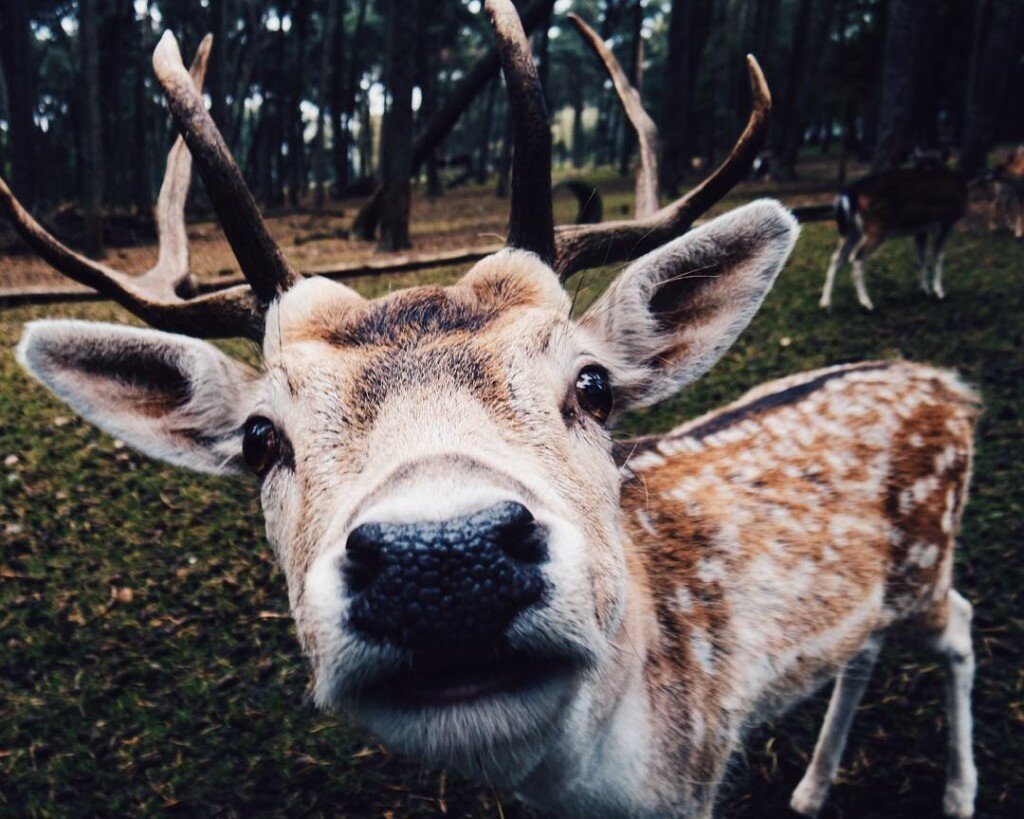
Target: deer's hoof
x=957, y=805
x=807, y=799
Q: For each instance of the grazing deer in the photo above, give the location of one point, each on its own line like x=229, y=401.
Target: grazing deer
x=924, y=202
x=1008, y=180
x=479, y=573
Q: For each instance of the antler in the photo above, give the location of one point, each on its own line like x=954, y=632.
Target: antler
x=578, y=247
x=646, y=197
x=261, y=260
x=162, y=297
x=531, y=223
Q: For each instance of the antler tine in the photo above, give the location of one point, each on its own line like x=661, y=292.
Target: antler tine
x=531, y=222
x=171, y=273
x=578, y=247
x=646, y=197
x=261, y=260
x=152, y=298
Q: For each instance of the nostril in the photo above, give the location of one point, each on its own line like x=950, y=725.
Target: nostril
x=520, y=536
x=363, y=561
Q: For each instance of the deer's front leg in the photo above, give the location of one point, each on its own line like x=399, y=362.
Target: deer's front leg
x=954, y=644
x=864, y=249
x=813, y=789
x=839, y=258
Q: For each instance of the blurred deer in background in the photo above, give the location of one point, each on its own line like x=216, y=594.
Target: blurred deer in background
x=924, y=202
x=1008, y=180
x=479, y=573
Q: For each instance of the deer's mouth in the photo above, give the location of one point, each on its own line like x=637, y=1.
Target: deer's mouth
x=427, y=683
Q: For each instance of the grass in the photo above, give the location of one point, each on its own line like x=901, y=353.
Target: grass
x=149, y=665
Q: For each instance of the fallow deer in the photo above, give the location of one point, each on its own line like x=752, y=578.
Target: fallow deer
x=479, y=573
x=924, y=202
x=1008, y=180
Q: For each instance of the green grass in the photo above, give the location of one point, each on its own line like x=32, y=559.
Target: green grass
x=190, y=696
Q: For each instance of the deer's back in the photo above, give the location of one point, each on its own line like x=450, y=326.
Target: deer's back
x=782, y=530
x=909, y=199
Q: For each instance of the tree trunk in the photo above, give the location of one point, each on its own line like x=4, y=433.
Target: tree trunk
x=578, y=144
x=484, y=152
x=895, y=116
x=636, y=59
x=997, y=32
x=337, y=99
x=19, y=74
x=142, y=192
x=326, y=73
x=396, y=161
x=216, y=73
x=426, y=79
x=278, y=114
x=687, y=34
x=543, y=49
x=92, y=148
x=296, y=147
x=790, y=116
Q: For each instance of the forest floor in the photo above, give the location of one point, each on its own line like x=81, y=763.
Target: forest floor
x=149, y=663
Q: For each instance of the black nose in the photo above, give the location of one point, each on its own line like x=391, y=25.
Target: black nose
x=439, y=585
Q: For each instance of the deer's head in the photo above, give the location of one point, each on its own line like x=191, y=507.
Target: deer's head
x=436, y=466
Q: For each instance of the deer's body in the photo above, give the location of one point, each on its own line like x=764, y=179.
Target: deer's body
x=478, y=572
x=1009, y=193
x=924, y=202
x=749, y=590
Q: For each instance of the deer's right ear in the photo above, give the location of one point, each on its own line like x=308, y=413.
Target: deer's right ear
x=674, y=312
x=171, y=397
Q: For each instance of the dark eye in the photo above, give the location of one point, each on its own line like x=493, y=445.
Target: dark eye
x=594, y=391
x=261, y=444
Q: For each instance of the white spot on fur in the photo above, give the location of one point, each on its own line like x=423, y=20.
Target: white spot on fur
x=710, y=571
x=703, y=651
x=947, y=515
x=684, y=600
x=924, y=488
x=645, y=460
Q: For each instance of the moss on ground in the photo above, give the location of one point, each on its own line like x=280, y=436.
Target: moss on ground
x=149, y=664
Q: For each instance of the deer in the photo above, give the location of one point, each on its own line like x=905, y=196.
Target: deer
x=923, y=201
x=1008, y=181
x=480, y=573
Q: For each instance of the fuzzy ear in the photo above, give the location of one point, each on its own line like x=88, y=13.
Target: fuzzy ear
x=174, y=398
x=674, y=312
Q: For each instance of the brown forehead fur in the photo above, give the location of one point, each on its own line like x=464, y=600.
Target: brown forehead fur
x=493, y=288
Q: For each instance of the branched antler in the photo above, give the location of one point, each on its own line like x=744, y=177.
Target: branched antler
x=164, y=296
x=578, y=247
x=646, y=197
x=260, y=258
x=158, y=297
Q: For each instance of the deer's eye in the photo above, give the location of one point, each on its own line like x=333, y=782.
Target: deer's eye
x=594, y=391
x=261, y=444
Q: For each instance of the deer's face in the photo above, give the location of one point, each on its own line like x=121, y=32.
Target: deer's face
x=436, y=468
x=439, y=487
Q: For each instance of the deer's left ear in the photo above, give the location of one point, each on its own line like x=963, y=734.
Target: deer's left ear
x=674, y=312
x=174, y=398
